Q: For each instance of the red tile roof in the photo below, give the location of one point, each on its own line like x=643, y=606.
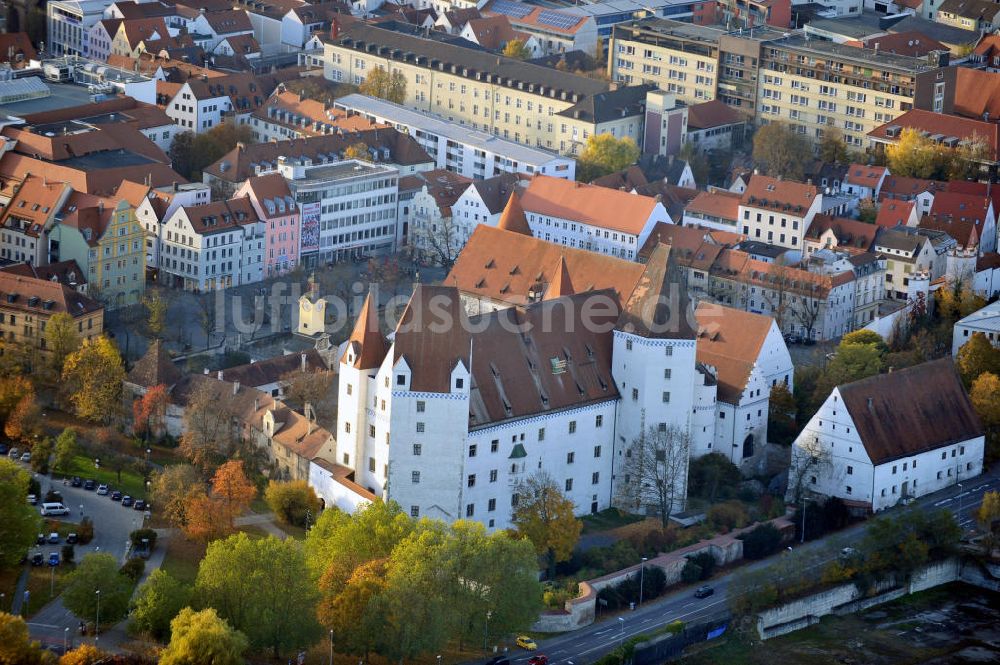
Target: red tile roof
x=512, y=218
x=977, y=92
x=16, y=291
x=850, y=233
x=910, y=42
x=597, y=206
x=730, y=340
x=721, y=204
x=893, y=213
x=865, y=176
x=712, y=114
x=14, y=44
x=944, y=126
x=775, y=193
x=900, y=187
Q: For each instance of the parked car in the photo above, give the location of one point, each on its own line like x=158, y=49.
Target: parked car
x=53, y=538
x=89, y=485
x=25, y=457
x=32, y=499
x=116, y=496
x=76, y=481
x=102, y=489
x=127, y=501
x=53, y=558
x=139, y=504
x=14, y=452
x=526, y=642
x=53, y=508
x=3, y=449
x=72, y=539
x=540, y=659
x=704, y=591
x=40, y=540
x=37, y=559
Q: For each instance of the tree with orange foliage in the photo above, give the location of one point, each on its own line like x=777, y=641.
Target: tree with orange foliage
x=12, y=389
x=149, y=412
x=202, y=520
x=25, y=422
x=233, y=490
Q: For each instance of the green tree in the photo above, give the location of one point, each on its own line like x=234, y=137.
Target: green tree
x=156, y=312
x=181, y=153
x=41, y=452
x=780, y=151
x=65, y=450
x=340, y=542
x=292, y=501
x=61, y=339
x=380, y=83
x=93, y=377
x=832, y=148
x=977, y=356
x=517, y=49
x=171, y=488
x=262, y=588
x=97, y=572
x=16, y=647
x=987, y=516
x=604, y=154
x=203, y=638
x=915, y=156
x=865, y=336
x=157, y=602
x=781, y=409
x=545, y=517
x=19, y=522
x=712, y=476
x=853, y=362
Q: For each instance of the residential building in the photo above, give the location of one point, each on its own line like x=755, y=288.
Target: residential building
x=67, y=273
x=666, y=125
x=602, y=220
x=288, y=115
x=27, y=304
x=949, y=131
x=715, y=127
x=149, y=119
x=911, y=43
x=385, y=146
x=348, y=208
x=473, y=154
x=775, y=13
x=864, y=182
x=976, y=15
x=777, y=211
x=212, y=246
x=28, y=218
x=916, y=190
x=69, y=22
x=555, y=31
x=985, y=321
x=968, y=218
x=912, y=255
x=128, y=40
x=16, y=50
x=746, y=356
x=432, y=234
x=523, y=102
x=154, y=205
x=896, y=213
x=203, y=103
x=276, y=208
x=839, y=234
x=270, y=375
x=493, y=33
x=869, y=287
x=864, y=449
x=105, y=238
x=815, y=85
x=714, y=210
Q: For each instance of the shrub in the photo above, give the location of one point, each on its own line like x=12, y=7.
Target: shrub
x=139, y=535
x=727, y=516
x=706, y=562
x=133, y=569
x=761, y=542
x=712, y=477
x=85, y=531
x=691, y=572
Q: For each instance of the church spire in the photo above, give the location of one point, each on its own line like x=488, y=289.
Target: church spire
x=366, y=344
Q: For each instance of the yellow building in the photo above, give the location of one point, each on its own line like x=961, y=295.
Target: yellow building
x=521, y=102
x=27, y=304
x=818, y=86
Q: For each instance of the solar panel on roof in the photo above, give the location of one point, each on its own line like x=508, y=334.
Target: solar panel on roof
x=558, y=19
x=508, y=8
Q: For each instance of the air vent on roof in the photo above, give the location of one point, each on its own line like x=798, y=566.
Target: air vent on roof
x=558, y=365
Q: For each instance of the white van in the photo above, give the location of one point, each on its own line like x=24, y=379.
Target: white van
x=54, y=509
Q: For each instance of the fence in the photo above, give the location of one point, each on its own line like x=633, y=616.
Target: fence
x=669, y=647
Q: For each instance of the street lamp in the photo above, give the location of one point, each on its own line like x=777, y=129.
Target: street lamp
x=65, y=637
x=97, y=624
x=486, y=629
x=642, y=578
x=961, y=502
x=621, y=640
x=802, y=538
x=331, y=646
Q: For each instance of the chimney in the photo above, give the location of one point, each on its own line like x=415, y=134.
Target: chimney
x=303, y=366
x=218, y=375
x=256, y=404
x=236, y=387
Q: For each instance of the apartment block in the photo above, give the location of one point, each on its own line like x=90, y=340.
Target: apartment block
x=27, y=304
x=818, y=86
x=518, y=101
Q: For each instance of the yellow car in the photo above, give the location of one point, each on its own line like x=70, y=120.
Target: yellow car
x=526, y=642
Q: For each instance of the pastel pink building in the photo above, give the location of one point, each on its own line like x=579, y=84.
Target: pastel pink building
x=276, y=206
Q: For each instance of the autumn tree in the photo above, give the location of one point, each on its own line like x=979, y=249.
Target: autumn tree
x=977, y=356
x=517, y=49
x=203, y=638
x=97, y=572
x=25, y=423
x=149, y=412
x=61, y=339
x=293, y=501
x=779, y=151
x=260, y=586
x=66, y=449
x=13, y=388
x=160, y=598
x=985, y=395
x=657, y=467
x=85, y=654
x=233, y=491
x=358, y=150
x=380, y=83
x=16, y=646
x=356, y=615
x=340, y=542
x=41, y=452
x=987, y=515
x=915, y=156
x=171, y=488
x=93, y=378
x=156, y=312
x=546, y=517
x=201, y=518
x=315, y=389
x=832, y=148
x=967, y=160
x=604, y=154
x=19, y=522
x=208, y=437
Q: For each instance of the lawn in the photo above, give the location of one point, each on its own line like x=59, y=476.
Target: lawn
x=608, y=519
x=41, y=587
x=182, y=558
x=131, y=482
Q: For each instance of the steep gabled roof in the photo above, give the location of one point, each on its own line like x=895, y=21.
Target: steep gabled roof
x=938, y=411
x=849, y=232
x=894, y=213
x=513, y=218
x=16, y=291
x=155, y=368
x=730, y=340
x=366, y=344
x=659, y=307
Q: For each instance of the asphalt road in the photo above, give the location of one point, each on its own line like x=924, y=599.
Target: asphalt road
x=112, y=526
x=587, y=645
